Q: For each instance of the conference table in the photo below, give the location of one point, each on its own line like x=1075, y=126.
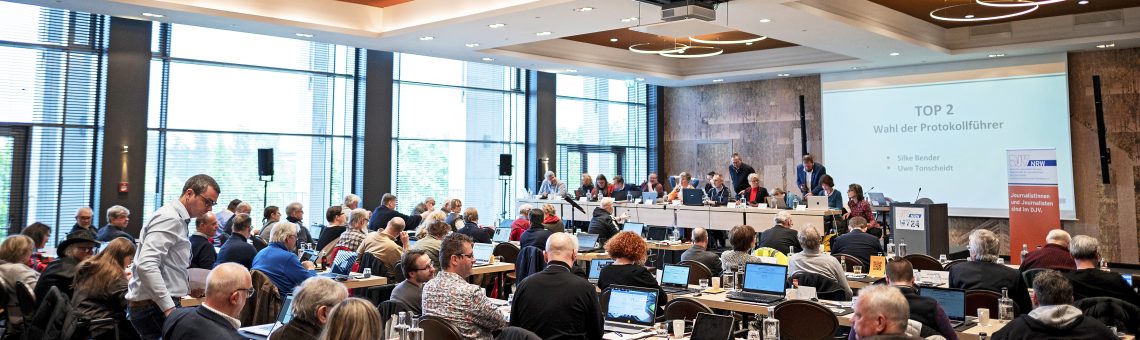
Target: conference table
x=352, y=283
x=684, y=216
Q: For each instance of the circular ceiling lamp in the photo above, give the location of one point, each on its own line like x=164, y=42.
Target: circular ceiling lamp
x=1022, y=3
x=727, y=42
x=694, y=52
x=945, y=13
x=650, y=48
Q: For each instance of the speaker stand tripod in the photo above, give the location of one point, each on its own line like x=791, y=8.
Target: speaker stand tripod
x=505, y=180
x=265, y=191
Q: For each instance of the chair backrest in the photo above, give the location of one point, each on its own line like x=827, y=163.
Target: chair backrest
x=802, y=319
x=392, y=307
x=982, y=299
x=436, y=328
x=825, y=287
x=400, y=276
x=952, y=263
x=851, y=261
x=685, y=308
x=697, y=271
x=517, y=333
x=1029, y=275
x=19, y=305
x=923, y=262
x=367, y=260
x=1112, y=312
x=530, y=261
x=263, y=307
x=326, y=253
x=509, y=251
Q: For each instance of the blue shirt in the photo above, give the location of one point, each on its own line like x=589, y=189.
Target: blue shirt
x=282, y=267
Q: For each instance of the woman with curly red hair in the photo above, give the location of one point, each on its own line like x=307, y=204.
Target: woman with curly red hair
x=629, y=252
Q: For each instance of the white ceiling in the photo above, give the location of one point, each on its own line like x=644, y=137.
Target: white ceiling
x=834, y=36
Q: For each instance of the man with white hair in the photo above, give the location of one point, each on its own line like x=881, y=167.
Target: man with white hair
x=604, y=224
x=1089, y=281
x=812, y=260
x=312, y=303
x=1054, y=255
x=227, y=288
x=279, y=261
x=880, y=312
x=295, y=213
x=202, y=253
x=555, y=301
x=351, y=201
x=551, y=186
x=84, y=218
x=117, y=219
x=982, y=271
x=781, y=237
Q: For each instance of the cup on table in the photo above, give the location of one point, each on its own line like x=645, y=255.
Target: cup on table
x=856, y=270
x=662, y=329
x=367, y=272
x=983, y=317
x=716, y=282
x=678, y=328
x=704, y=284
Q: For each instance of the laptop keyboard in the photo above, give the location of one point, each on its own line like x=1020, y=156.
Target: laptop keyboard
x=623, y=328
x=754, y=297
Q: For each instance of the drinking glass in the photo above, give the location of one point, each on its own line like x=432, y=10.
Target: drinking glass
x=857, y=270
x=704, y=284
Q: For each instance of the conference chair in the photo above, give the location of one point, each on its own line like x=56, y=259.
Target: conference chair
x=984, y=299
x=825, y=287
x=1112, y=312
x=400, y=277
x=685, y=308
x=1029, y=275
x=851, y=261
x=518, y=333
x=437, y=328
x=952, y=263
x=19, y=305
x=697, y=271
x=802, y=319
x=923, y=262
x=263, y=307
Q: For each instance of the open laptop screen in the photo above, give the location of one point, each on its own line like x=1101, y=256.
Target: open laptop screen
x=596, y=266
x=636, y=228
x=675, y=275
x=632, y=305
x=502, y=235
x=765, y=278
x=953, y=301
x=286, y=310
x=482, y=251
x=587, y=241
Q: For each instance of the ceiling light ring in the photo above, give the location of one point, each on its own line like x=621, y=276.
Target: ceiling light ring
x=718, y=51
x=676, y=48
x=1019, y=3
x=999, y=17
x=727, y=42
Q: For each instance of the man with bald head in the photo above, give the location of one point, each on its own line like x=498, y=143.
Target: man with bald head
x=84, y=218
x=227, y=288
x=383, y=245
x=699, y=252
x=881, y=312
x=1054, y=255
x=202, y=252
x=555, y=301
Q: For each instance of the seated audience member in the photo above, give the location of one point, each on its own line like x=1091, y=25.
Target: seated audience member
x=981, y=271
x=351, y=202
x=357, y=227
x=270, y=216
x=100, y=286
x=454, y=213
x=881, y=312
x=338, y=219
x=471, y=226
x=718, y=193
x=61, y=272
x=858, y=242
x=383, y=246
x=450, y=297
x=387, y=211
x=15, y=252
x=585, y=186
x=117, y=218
x=83, y=219
x=1089, y=281
x=432, y=217
x=551, y=186
x=295, y=213
x=620, y=184
x=228, y=224
x=742, y=238
x=1053, y=316
x=628, y=269
x=812, y=260
x=427, y=205
x=237, y=248
x=39, y=233
x=604, y=223
x=602, y=188
x=522, y=223
x=1054, y=255
x=202, y=253
x=834, y=198
x=353, y=319
x=417, y=271
x=859, y=206
x=227, y=288
x=685, y=182
x=312, y=304
x=431, y=241
x=279, y=260
x=537, y=234
x=925, y=310
x=754, y=194
x=651, y=184
x=781, y=237
x=226, y=214
x=699, y=252
x=555, y=302
x=550, y=219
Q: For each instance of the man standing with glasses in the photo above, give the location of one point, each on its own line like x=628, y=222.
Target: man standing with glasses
x=227, y=288
x=418, y=270
x=159, y=276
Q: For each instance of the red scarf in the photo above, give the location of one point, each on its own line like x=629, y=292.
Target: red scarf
x=550, y=219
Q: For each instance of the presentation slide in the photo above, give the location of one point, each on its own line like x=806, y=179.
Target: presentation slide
x=944, y=130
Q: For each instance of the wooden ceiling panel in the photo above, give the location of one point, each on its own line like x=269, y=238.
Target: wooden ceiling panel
x=627, y=37
x=377, y=3
x=921, y=9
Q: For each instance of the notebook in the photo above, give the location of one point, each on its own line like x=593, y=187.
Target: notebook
x=596, y=266
x=649, y=197
x=692, y=197
x=483, y=253
x=675, y=278
x=712, y=327
x=587, y=242
x=765, y=278
x=953, y=302
x=775, y=203
x=877, y=199
x=636, y=228
x=502, y=235
x=630, y=309
x=283, y=318
x=817, y=202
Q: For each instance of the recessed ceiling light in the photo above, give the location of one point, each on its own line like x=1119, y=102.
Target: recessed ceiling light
x=783, y=75
x=472, y=45
x=583, y=9
x=969, y=16
x=895, y=54
x=629, y=19
x=855, y=67
x=717, y=80
x=488, y=59
x=997, y=55
x=570, y=70
x=497, y=25
x=765, y=20
x=639, y=79
x=1083, y=2
x=427, y=38
x=1109, y=45
x=613, y=39
x=304, y=35
x=543, y=33
x=152, y=15
x=749, y=43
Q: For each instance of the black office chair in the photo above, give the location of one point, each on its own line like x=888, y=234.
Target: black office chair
x=437, y=328
x=802, y=319
x=850, y=260
x=685, y=308
x=697, y=271
x=923, y=262
x=1031, y=274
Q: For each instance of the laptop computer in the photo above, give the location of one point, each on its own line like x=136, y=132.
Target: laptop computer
x=596, y=266
x=649, y=197
x=712, y=327
x=620, y=196
x=283, y=318
x=630, y=309
x=636, y=228
x=877, y=199
x=483, y=253
x=502, y=235
x=776, y=203
x=953, y=302
x=692, y=197
x=763, y=283
x=817, y=202
x=657, y=234
x=675, y=279
x=587, y=242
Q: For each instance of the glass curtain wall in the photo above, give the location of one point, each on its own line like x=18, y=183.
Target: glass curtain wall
x=601, y=127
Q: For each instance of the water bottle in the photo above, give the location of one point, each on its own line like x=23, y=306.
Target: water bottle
x=890, y=250
x=401, y=327
x=771, y=329
x=983, y=336
x=843, y=263
x=902, y=248
x=728, y=279
x=1005, y=306
x=415, y=332
x=739, y=279
x=1024, y=251
x=942, y=259
x=791, y=251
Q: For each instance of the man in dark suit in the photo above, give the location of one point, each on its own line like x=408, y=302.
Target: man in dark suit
x=808, y=175
x=202, y=253
x=858, y=242
x=739, y=173
x=387, y=210
x=555, y=302
x=227, y=288
x=781, y=237
x=699, y=253
x=537, y=234
x=925, y=310
x=237, y=248
x=1089, y=281
x=982, y=271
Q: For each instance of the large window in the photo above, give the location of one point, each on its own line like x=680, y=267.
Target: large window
x=453, y=119
x=52, y=71
x=219, y=96
x=601, y=129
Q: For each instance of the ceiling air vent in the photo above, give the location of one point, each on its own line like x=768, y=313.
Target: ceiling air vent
x=983, y=30
x=1098, y=17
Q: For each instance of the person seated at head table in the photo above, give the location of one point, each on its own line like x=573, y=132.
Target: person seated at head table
x=686, y=182
x=790, y=200
x=652, y=184
x=834, y=198
x=585, y=187
x=754, y=194
x=621, y=185
x=602, y=188
x=551, y=187
x=717, y=193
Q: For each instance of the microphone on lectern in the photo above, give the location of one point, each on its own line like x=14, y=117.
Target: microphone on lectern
x=918, y=194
